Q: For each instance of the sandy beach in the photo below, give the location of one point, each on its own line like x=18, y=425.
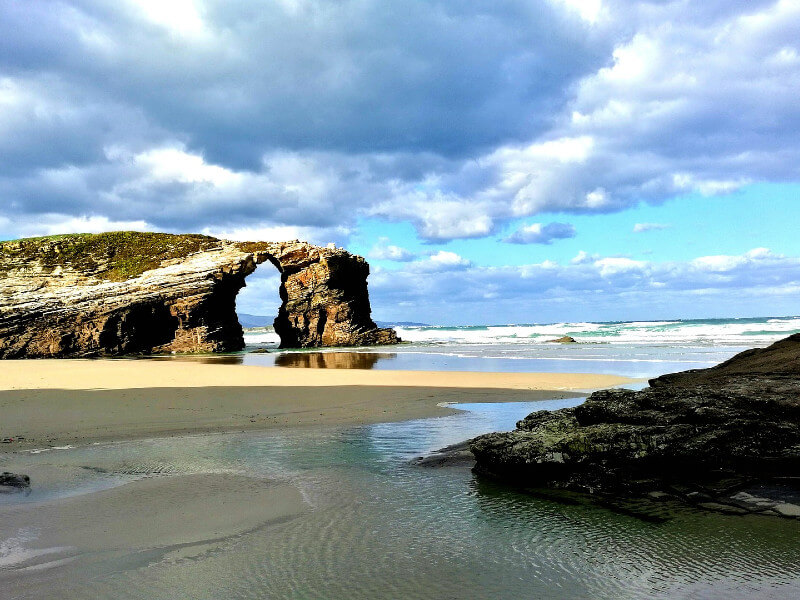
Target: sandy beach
x=168, y=517
x=130, y=526
x=163, y=512
x=56, y=402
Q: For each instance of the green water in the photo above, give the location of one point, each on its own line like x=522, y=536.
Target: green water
x=381, y=527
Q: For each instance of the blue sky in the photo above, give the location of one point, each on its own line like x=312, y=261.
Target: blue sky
x=505, y=161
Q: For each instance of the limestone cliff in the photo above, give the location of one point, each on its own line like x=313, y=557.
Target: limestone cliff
x=130, y=292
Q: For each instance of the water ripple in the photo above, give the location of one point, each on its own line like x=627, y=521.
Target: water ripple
x=380, y=527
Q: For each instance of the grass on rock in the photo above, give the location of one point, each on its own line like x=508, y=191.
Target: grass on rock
x=114, y=256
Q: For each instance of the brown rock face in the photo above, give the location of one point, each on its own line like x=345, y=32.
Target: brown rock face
x=325, y=301
x=129, y=292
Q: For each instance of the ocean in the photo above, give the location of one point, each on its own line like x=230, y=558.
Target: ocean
x=639, y=349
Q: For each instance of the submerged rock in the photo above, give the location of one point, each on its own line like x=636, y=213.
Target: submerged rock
x=130, y=292
x=710, y=432
x=454, y=455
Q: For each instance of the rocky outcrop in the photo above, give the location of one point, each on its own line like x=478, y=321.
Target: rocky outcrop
x=712, y=436
x=11, y=482
x=129, y=292
x=781, y=360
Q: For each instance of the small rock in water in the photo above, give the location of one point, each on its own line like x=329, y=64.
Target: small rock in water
x=10, y=482
x=723, y=508
x=563, y=340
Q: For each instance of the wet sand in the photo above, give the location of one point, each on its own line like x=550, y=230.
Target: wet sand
x=49, y=548
x=56, y=402
x=132, y=525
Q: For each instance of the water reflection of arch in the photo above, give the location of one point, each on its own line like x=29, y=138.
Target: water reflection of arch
x=332, y=360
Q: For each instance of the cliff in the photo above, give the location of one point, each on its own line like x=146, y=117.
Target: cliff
x=129, y=292
x=711, y=436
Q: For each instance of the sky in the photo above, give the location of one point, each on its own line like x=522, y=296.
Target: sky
x=496, y=161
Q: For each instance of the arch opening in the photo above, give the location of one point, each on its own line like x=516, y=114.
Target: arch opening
x=258, y=303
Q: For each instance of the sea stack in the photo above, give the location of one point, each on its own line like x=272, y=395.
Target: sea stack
x=130, y=292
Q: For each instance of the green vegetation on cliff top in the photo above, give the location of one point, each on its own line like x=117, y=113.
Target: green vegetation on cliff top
x=114, y=256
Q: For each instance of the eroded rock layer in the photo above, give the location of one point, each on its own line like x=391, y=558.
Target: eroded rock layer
x=709, y=435
x=129, y=292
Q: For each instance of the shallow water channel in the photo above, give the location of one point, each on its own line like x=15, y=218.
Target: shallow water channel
x=381, y=527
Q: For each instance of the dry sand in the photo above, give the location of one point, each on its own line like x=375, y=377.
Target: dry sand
x=54, y=402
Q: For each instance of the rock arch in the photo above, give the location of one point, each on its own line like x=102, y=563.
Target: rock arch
x=130, y=292
x=324, y=297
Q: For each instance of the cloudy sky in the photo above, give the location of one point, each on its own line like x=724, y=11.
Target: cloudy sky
x=495, y=160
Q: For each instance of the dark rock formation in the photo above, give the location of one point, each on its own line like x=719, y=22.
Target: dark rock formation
x=781, y=359
x=11, y=482
x=129, y=292
x=711, y=436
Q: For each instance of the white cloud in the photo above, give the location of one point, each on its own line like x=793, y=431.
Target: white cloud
x=383, y=250
x=615, y=265
x=165, y=165
x=583, y=257
x=537, y=233
x=594, y=288
x=448, y=259
x=588, y=10
x=438, y=217
x=440, y=261
x=722, y=263
x=643, y=227
x=597, y=199
x=181, y=17
x=280, y=233
x=634, y=61
x=708, y=187
x=52, y=224
x=718, y=263
x=761, y=253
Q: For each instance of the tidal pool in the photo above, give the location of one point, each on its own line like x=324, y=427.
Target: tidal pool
x=381, y=527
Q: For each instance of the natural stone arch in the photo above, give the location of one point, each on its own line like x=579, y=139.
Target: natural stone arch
x=129, y=292
x=324, y=297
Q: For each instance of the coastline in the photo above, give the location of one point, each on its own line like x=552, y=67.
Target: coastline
x=78, y=401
